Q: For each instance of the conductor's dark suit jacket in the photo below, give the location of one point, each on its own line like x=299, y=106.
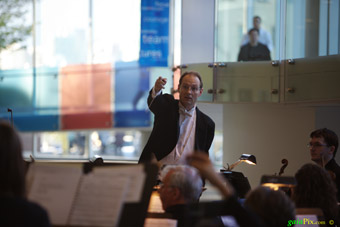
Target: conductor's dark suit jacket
x=165, y=133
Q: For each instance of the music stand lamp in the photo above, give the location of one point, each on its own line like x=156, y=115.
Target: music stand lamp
x=248, y=158
x=278, y=182
x=237, y=179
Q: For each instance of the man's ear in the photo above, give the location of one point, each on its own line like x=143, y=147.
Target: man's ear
x=176, y=193
x=201, y=91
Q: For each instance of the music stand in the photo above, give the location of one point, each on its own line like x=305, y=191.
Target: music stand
x=238, y=181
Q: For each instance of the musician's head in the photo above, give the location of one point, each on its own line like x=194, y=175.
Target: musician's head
x=315, y=188
x=180, y=185
x=12, y=168
x=323, y=145
x=274, y=208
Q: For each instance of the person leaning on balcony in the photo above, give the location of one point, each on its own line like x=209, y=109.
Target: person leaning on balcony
x=254, y=50
x=264, y=36
x=15, y=209
x=179, y=126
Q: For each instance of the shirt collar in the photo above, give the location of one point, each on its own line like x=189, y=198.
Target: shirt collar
x=182, y=108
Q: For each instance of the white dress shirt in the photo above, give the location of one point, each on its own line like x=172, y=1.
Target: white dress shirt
x=186, y=141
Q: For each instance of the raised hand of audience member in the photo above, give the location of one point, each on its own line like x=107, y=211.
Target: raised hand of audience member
x=201, y=161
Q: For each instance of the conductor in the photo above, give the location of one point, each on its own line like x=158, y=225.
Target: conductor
x=179, y=126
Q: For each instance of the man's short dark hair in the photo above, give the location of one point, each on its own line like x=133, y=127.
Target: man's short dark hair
x=253, y=29
x=191, y=73
x=257, y=17
x=329, y=136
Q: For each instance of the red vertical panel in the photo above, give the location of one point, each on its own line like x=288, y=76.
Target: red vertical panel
x=87, y=120
x=86, y=92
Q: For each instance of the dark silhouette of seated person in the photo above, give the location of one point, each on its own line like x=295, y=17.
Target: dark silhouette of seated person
x=254, y=50
x=181, y=185
x=316, y=189
x=323, y=147
x=15, y=209
x=274, y=208
x=263, y=206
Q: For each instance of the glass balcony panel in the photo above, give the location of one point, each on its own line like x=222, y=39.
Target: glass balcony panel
x=247, y=82
x=207, y=79
x=313, y=79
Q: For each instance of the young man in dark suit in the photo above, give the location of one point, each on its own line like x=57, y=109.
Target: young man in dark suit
x=323, y=146
x=180, y=127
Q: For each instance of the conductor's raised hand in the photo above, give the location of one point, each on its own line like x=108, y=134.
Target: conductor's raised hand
x=160, y=83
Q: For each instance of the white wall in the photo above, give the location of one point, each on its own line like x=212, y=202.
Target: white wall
x=198, y=23
x=270, y=132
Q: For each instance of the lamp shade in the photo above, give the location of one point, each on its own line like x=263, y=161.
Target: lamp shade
x=249, y=158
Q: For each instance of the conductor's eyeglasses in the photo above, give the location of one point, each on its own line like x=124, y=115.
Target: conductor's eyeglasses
x=193, y=88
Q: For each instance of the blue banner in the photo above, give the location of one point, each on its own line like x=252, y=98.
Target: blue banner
x=154, y=40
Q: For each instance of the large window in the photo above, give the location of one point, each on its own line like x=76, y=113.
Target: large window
x=87, y=32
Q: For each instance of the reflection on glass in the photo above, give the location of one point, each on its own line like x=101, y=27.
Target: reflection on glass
x=254, y=50
x=123, y=145
x=61, y=145
x=109, y=144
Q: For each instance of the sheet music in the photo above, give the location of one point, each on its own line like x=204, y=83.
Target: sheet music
x=100, y=199
x=136, y=175
x=95, y=199
x=156, y=222
x=53, y=187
